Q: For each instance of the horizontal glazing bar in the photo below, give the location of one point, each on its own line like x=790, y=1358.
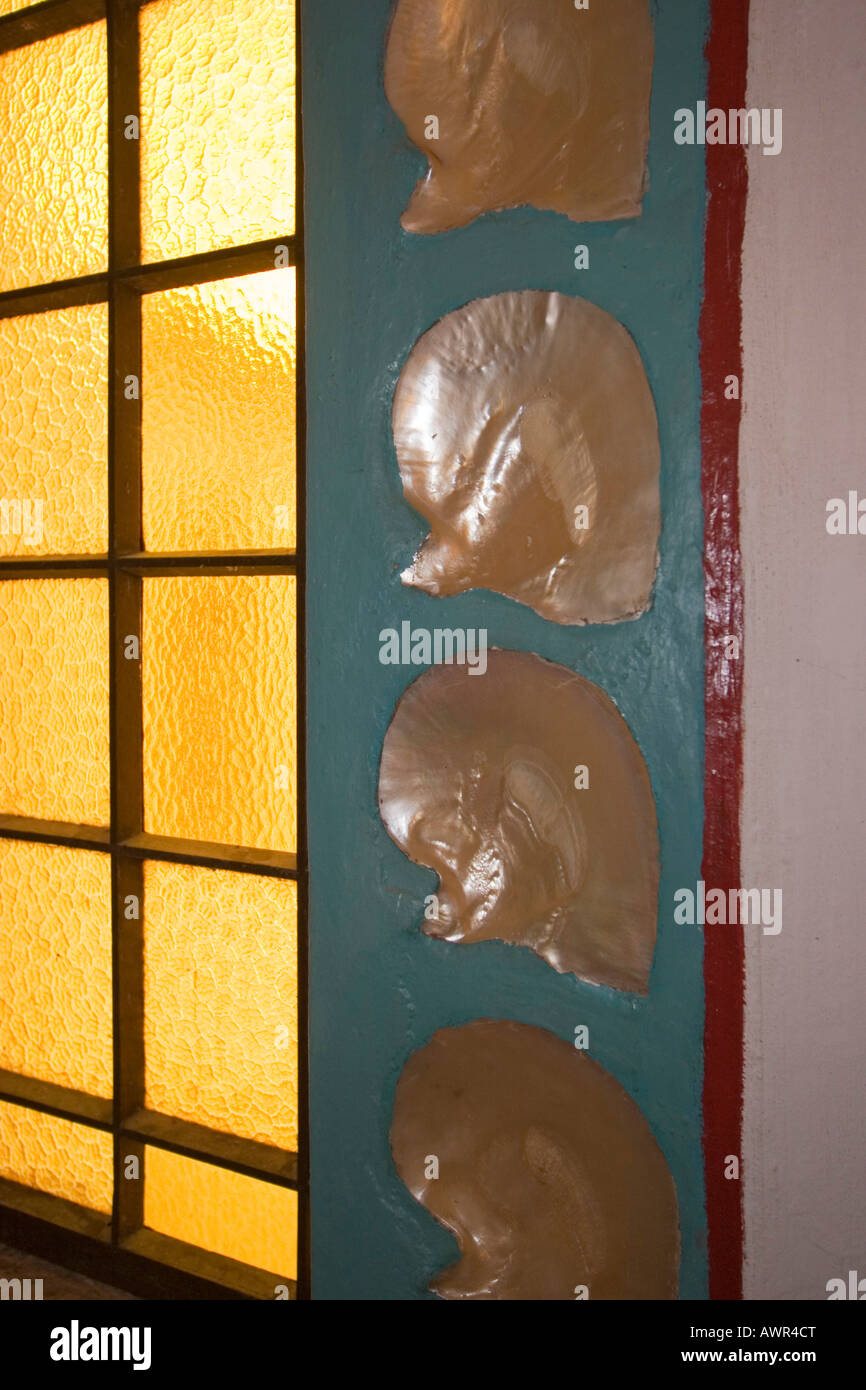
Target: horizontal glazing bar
x=147, y=1264
x=148, y=279
x=269, y=863
x=211, y=562
x=26, y=1206
x=50, y=1099
x=247, y=1156
x=38, y=299
x=273, y=254
x=55, y=567
x=191, y=1261
x=45, y=20
x=277, y=863
x=54, y=832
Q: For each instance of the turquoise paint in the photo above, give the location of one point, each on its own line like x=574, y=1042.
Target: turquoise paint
x=378, y=988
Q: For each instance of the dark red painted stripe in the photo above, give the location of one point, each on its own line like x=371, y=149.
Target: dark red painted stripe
x=721, y=356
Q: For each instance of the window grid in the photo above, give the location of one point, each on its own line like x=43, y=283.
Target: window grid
x=144, y=1260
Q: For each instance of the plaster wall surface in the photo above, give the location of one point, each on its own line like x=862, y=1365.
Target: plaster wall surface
x=804, y=337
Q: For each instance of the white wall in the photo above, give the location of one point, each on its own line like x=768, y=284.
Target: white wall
x=804, y=819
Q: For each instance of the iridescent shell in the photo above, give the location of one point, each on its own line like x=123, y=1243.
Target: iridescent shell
x=542, y=1166
x=526, y=792
x=523, y=101
x=526, y=434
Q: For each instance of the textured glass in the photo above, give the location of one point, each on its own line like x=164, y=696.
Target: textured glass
x=56, y=1156
x=218, y=124
x=219, y=677
x=232, y=1215
x=55, y=965
x=218, y=442
x=54, y=699
x=54, y=159
x=53, y=414
x=221, y=1000
x=10, y=6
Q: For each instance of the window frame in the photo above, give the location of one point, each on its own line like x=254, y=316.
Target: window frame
x=120, y=1250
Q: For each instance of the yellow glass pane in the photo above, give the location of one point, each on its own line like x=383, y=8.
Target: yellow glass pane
x=54, y=699
x=218, y=124
x=218, y=441
x=56, y=1156
x=221, y=1000
x=219, y=677
x=54, y=159
x=232, y=1215
x=55, y=965
x=10, y=6
x=53, y=414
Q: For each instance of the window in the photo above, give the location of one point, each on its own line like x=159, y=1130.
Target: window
x=152, y=866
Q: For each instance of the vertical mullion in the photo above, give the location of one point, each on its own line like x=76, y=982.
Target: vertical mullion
x=124, y=500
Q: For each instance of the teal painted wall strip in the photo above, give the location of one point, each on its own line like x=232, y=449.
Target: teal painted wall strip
x=378, y=988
